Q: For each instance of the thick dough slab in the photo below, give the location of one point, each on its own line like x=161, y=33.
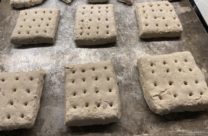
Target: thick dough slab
x=24, y=3
x=157, y=19
x=95, y=25
x=91, y=94
x=173, y=83
x=36, y=26
x=20, y=95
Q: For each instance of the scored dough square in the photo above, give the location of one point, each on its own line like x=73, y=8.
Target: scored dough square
x=91, y=94
x=95, y=25
x=36, y=26
x=24, y=3
x=157, y=19
x=173, y=83
x=20, y=95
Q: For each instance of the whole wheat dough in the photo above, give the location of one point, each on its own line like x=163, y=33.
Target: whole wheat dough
x=157, y=19
x=91, y=94
x=95, y=25
x=35, y=26
x=20, y=95
x=173, y=83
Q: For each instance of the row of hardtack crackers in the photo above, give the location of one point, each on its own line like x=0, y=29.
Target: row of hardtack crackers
x=170, y=83
x=96, y=24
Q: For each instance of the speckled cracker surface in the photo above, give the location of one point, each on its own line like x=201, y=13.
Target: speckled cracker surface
x=20, y=95
x=173, y=83
x=95, y=25
x=24, y=3
x=91, y=94
x=157, y=19
x=36, y=26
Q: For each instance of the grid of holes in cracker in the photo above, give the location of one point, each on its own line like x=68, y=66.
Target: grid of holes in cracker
x=101, y=14
x=158, y=14
x=79, y=78
x=35, y=22
x=11, y=88
x=181, y=67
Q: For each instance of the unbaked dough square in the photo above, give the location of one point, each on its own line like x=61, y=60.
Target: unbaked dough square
x=36, y=26
x=91, y=94
x=173, y=83
x=95, y=25
x=25, y=3
x=158, y=19
x=20, y=95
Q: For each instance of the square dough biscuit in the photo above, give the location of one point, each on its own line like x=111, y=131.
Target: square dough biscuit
x=20, y=95
x=24, y=3
x=91, y=94
x=173, y=83
x=158, y=19
x=36, y=26
x=95, y=25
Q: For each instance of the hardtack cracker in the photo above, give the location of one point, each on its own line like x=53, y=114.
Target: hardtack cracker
x=95, y=25
x=173, y=83
x=36, y=26
x=91, y=94
x=20, y=95
x=157, y=19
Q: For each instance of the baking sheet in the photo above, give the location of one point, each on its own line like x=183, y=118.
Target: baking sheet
x=136, y=119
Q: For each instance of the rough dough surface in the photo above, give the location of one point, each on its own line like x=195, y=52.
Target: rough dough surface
x=95, y=24
x=91, y=94
x=20, y=95
x=157, y=19
x=24, y=3
x=36, y=26
x=173, y=83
